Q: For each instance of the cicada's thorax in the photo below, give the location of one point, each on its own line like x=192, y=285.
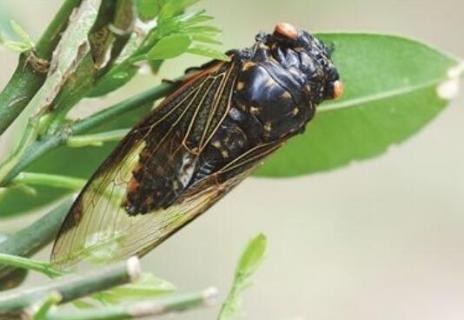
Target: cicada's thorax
x=269, y=104
x=238, y=113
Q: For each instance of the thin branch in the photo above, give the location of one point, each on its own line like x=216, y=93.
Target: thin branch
x=144, y=309
x=39, y=148
x=29, y=264
x=26, y=81
x=118, y=109
x=97, y=139
x=49, y=180
x=72, y=287
x=29, y=240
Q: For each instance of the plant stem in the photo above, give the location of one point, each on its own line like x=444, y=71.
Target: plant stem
x=25, y=80
x=144, y=309
x=50, y=180
x=118, y=109
x=33, y=152
x=39, y=310
x=29, y=264
x=29, y=240
x=96, y=139
x=39, y=148
x=72, y=287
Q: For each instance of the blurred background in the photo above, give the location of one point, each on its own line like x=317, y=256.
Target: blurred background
x=379, y=239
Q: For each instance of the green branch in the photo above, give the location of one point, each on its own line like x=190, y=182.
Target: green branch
x=39, y=148
x=118, y=109
x=97, y=139
x=26, y=81
x=29, y=240
x=143, y=309
x=49, y=180
x=29, y=264
x=72, y=287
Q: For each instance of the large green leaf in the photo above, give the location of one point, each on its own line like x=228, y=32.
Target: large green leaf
x=390, y=93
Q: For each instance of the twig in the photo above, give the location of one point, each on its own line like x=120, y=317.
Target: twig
x=26, y=81
x=32, y=238
x=29, y=264
x=39, y=148
x=50, y=180
x=96, y=139
x=72, y=287
x=118, y=109
x=141, y=309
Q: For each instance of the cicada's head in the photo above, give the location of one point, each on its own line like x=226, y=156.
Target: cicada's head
x=308, y=59
x=285, y=75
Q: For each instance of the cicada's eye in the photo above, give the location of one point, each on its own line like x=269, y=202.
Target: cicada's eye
x=338, y=89
x=286, y=30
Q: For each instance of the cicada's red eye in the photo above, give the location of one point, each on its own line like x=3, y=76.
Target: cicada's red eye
x=286, y=30
x=338, y=89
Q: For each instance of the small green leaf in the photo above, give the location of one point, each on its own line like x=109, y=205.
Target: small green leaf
x=208, y=52
x=252, y=257
x=206, y=39
x=196, y=18
x=114, y=79
x=203, y=29
x=249, y=262
x=26, y=39
x=14, y=45
x=172, y=8
x=170, y=47
x=23, y=42
x=390, y=94
x=148, y=9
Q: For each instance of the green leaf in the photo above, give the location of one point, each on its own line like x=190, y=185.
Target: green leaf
x=208, y=52
x=249, y=262
x=203, y=29
x=23, y=42
x=148, y=9
x=172, y=8
x=170, y=47
x=196, y=18
x=251, y=258
x=390, y=94
x=113, y=80
x=23, y=35
x=206, y=39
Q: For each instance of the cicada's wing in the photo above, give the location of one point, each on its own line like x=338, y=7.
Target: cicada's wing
x=133, y=200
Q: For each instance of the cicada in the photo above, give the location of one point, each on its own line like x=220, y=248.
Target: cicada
x=198, y=144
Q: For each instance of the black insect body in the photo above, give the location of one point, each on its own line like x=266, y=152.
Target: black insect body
x=204, y=139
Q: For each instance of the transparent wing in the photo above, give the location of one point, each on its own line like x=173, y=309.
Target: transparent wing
x=100, y=226
x=117, y=235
